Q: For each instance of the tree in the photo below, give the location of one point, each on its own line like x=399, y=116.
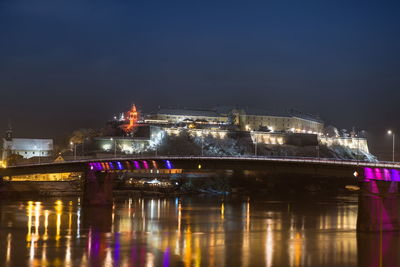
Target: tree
x=79, y=136
x=14, y=159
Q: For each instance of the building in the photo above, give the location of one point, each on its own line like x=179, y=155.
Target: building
x=144, y=138
x=27, y=148
x=173, y=116
x=260, y=120
x=246, y=119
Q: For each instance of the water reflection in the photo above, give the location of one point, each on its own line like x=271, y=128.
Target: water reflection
x=188, y=232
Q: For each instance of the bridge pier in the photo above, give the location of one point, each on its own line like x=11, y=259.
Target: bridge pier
x=98, y=188
x=378, y=207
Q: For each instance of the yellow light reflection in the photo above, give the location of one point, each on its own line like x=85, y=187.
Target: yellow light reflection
x=70, y=220
x=246, y=237
x=37, y=217
x=149, y=259
x=248, y=216
x=8, y=253
x=187, y=257
x=269, y=245
x=197, y=255
x=32, y=250
x=179, y=217
x=46, y=225
x=295, y=250
x=211, y=251
x=44, y=256
x=29, y=209
x=58, y=208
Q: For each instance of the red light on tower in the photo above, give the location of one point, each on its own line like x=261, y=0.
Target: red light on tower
x=132, y=116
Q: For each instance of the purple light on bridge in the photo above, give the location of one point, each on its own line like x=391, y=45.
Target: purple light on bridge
x=378, y=174
x=395, y=175
x=146, y=166
x=136, y=164
x=381, y=174
x=368, y=174
x=119, y=165
x=99, y=167
x=386, y=175
x=111, y=165
x=168, y=164
x=94, y=166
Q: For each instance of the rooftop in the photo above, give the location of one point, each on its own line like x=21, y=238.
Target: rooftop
x=188, y=112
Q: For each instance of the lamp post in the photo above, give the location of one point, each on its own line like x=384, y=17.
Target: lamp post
x=73, y=148
x=83, y=146
x=390, y=132
x=115, y=146
x=255, y=146
x=202, y=142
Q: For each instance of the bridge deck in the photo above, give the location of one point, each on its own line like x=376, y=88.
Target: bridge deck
x=395, y=165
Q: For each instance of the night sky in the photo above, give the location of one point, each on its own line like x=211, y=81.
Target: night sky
x=67, y=64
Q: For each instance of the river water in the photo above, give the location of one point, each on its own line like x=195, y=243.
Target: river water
x=190, y=231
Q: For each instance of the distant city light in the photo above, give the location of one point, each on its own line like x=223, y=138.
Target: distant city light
x=3, y=164
x=106, y=147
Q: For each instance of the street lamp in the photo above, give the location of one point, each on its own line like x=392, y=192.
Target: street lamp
x=390, y=132
x=115, y=146
x=255, y=146
x=202, y=142
x=74, y=148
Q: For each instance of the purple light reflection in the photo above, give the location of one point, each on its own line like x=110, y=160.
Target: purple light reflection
x=386, y=175
x=136, y=164
x=395, y=175
x=166, y=258
x=381, y=174
x=146, y=166
x=368, y=174
x=378, y=174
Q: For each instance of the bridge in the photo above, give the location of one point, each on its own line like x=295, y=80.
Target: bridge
x=378, y=181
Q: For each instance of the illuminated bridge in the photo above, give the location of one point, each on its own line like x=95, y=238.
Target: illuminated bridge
x=378, y=181
x=385, y=171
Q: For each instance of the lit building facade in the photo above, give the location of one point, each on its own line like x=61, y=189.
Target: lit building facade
x=173, y=116
x=144, y=138
x=27, y=148
x=350, y=142
x=261, y=121
x=245, y=119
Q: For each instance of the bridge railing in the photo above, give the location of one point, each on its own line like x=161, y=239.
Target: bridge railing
x=380, y=164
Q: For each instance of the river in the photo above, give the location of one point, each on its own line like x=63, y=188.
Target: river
x=190, y=231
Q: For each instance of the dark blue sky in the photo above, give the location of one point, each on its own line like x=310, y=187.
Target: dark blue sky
x=66, y=64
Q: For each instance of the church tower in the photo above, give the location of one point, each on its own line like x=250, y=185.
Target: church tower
x=7, y=143
x=9, y=133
